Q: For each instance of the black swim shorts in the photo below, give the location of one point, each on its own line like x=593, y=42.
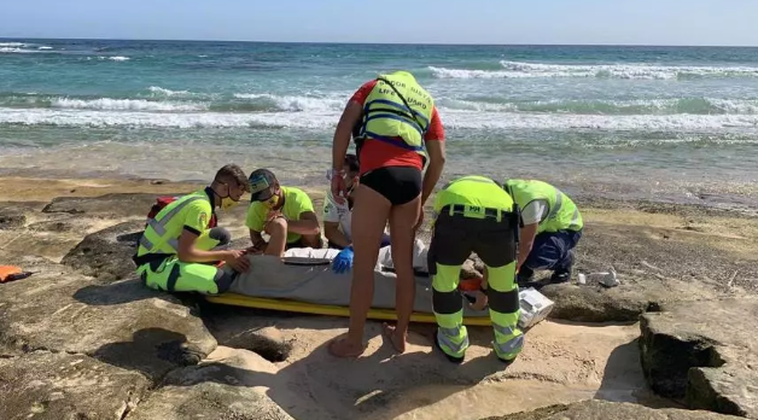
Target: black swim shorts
x=398, y=184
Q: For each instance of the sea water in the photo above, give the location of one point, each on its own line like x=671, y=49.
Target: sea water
x=650, y=122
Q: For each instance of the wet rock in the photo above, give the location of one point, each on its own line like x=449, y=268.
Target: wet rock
x=706, y=353
x=107, y=254
x=213, y=390
x=45, y=385
x=650, y=255
x=113, y=205
x=603, y=410
x=124, y=323
x=10, y=219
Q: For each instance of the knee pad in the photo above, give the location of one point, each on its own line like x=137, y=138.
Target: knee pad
x=224, y=280
x=221, y=235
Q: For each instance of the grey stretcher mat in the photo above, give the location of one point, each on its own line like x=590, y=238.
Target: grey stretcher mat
x=270, y=277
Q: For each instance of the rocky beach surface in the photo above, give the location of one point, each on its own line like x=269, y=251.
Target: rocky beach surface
x=83, y=339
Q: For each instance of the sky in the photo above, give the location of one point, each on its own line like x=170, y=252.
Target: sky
x=641, y=22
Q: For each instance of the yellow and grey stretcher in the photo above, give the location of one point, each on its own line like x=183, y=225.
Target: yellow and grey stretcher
x=287, y=305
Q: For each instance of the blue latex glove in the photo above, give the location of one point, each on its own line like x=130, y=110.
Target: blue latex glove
x=343, y=261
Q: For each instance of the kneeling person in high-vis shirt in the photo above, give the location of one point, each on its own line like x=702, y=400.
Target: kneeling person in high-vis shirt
x=286, y=214
x=175, y=253
x=475, y=214
x=552, y=227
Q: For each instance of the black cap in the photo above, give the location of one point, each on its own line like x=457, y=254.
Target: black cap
x=261, y=182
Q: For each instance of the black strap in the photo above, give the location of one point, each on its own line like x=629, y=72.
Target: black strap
x=518, y=221
x=148, y=258
x=173, y=276
x=413, y=114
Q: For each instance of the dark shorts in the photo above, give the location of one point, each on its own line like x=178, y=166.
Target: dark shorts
x=300, y=243
x=552, y=250
x=456, y=237
x=398, y=184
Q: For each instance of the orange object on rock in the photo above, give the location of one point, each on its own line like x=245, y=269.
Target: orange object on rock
x=11, y=273
x=470, y=284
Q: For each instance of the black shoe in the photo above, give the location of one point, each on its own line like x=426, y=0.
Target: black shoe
x=453, y=359
x=525, y=275
x=561, y=276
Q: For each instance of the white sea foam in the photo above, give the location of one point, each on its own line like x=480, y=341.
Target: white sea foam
x=108, y=104
x=23, y=47
x=561, y=122
x=70, y=117
x=515, y=69
x=296, y=103
x=168, y=92
x=15, y=50
x=127, y=115
x=610, y=107
x=114, y=58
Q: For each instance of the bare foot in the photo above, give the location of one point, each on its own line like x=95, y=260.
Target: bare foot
x=397, y=339
x=342, y=347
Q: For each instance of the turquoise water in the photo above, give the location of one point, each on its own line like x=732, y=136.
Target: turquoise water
x=635, y=120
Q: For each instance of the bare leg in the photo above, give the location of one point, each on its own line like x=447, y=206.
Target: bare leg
x=369, y=218
x=313, y=241
x=402, y=220
x=277, y=229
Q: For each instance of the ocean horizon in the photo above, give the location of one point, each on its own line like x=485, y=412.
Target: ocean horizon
x=32, y=39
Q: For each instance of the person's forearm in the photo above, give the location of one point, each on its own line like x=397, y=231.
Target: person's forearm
x=257, y=240
x=341, y=142
x=525, y=247
x=336, y=237
x=431, y=177
x=303, y=227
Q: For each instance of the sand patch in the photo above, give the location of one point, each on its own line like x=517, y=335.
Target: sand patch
x=561, y=363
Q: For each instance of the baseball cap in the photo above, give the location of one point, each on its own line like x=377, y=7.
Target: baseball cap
x=261, y=182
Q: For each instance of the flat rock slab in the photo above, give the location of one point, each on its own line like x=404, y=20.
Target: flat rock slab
x=208, y=400
x=107, y=254
x=54, y=386
x=124, y=323
x=624, y=303
x=602, y=410
x=705, y=352
x=210, y=390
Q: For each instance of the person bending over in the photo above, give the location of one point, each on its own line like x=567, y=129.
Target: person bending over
x=552, y=227
x=398, y=131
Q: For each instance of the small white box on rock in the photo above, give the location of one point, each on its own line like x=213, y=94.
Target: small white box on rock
x=535, y=307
